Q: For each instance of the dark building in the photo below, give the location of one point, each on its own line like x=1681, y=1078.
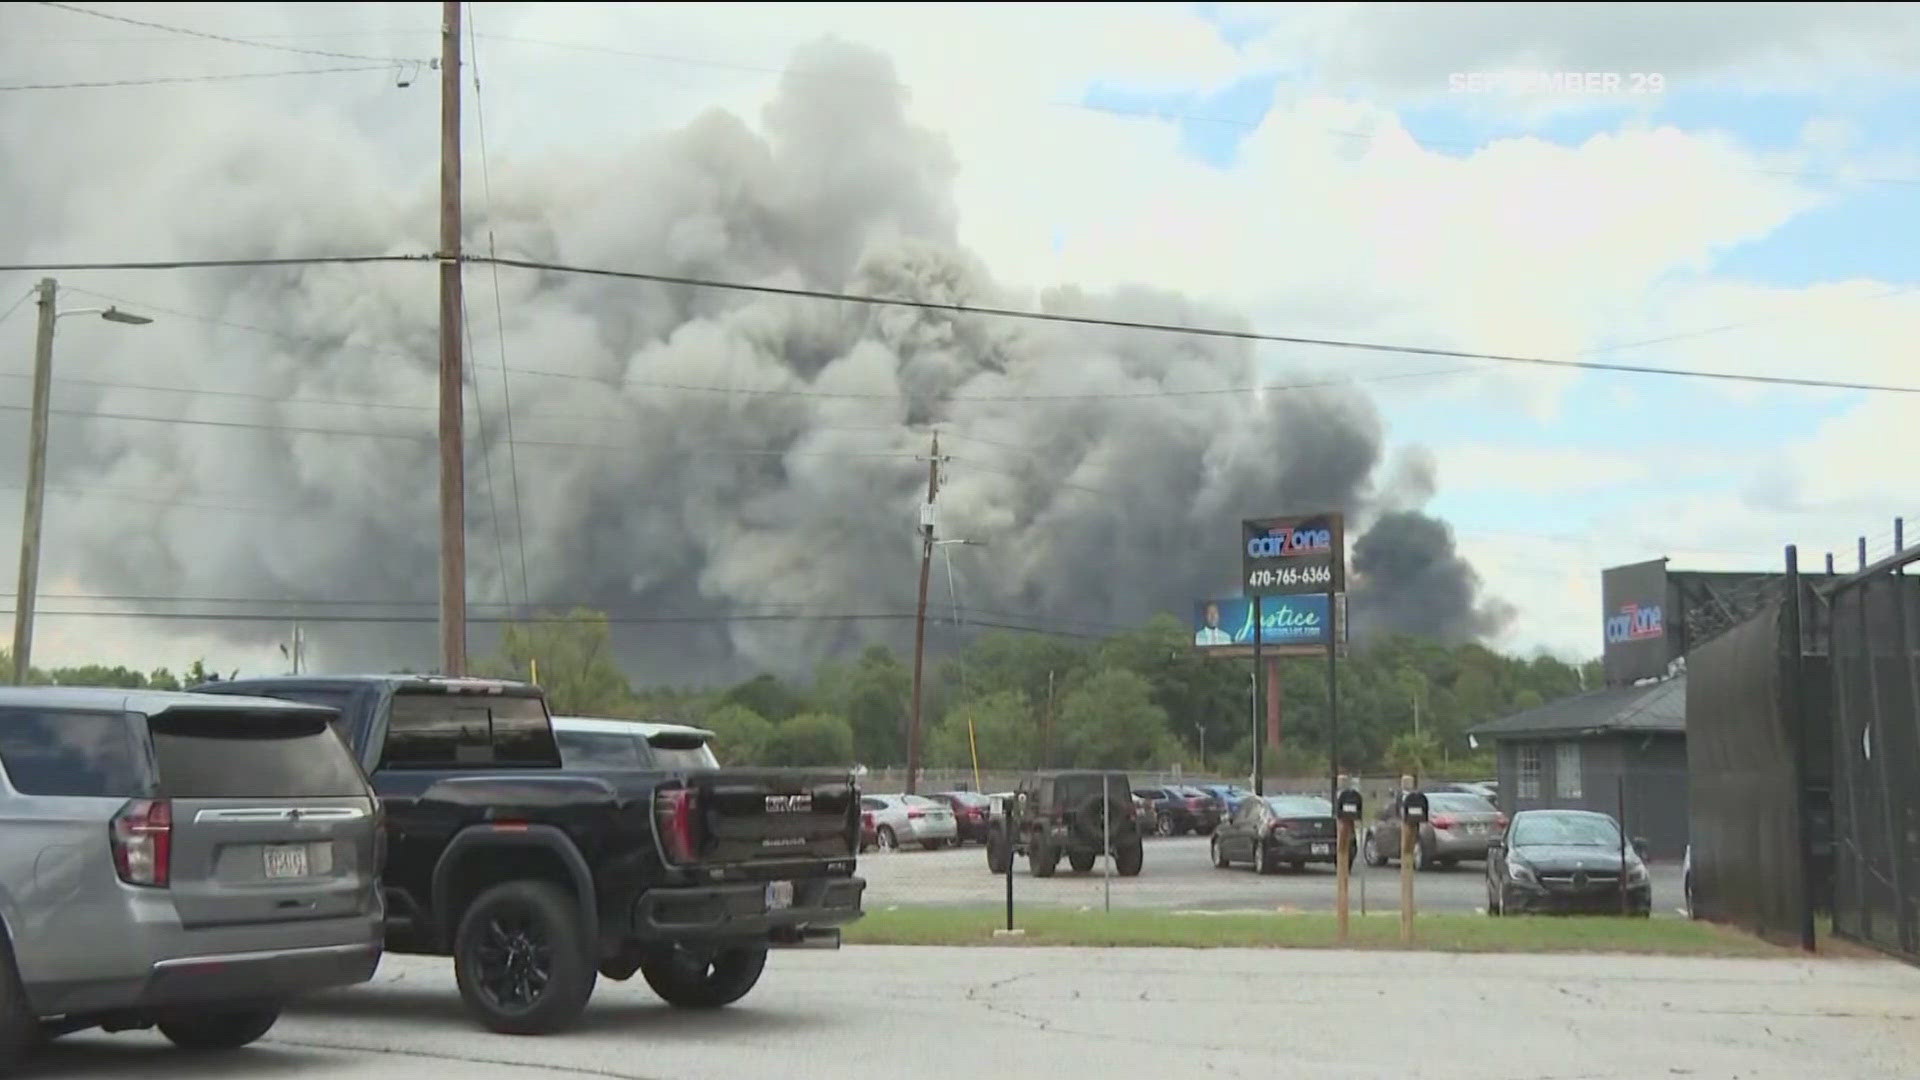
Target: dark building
x=1619, y=750
x=1622, y=748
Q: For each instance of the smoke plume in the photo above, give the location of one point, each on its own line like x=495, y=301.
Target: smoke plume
x=683, y=452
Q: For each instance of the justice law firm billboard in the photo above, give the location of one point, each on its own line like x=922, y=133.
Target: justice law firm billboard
x=1285, y=620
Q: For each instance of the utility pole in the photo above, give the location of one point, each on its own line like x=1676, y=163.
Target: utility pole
x=920, y=614
x=453, y=480
x=23, y=598
x=1046, y=725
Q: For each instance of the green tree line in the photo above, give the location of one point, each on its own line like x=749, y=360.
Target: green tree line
x=1141, y=699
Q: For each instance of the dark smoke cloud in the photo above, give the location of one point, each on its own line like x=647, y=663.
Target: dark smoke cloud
x=800, y=497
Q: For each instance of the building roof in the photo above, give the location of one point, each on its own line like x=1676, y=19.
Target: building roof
x=1651, y=707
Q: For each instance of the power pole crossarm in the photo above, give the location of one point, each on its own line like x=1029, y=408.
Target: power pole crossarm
x=453, y=495
x=920, y=614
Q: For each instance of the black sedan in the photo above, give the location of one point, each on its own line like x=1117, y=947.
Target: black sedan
x=1568, y=862
x=1277, y=829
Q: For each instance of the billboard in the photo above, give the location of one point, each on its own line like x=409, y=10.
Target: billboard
x=1636, y=640
x=1286, y=620
x=1291, y=556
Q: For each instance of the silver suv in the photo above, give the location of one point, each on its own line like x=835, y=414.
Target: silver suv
x=182, y=861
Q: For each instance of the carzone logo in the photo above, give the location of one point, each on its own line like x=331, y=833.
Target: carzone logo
x=1286, y=540
x=1635, y=623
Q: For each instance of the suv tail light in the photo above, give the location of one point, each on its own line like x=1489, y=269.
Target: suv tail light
x=677, y=808
x=142, y=834
x=1443, y=821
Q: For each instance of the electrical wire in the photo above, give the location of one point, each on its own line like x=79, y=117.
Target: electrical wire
x=17, y=304
x=390, y=61
x=1176, y=329
x=216, y=264
x=499, y=311
x=1186, y=330
x=159, y=80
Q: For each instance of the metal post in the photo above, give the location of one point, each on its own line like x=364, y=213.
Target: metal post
x=1106, y=840
x=1333, y=699
x=1343, y=869
x=1863, y=553
x=1903, y=640
x=453, y=480
x=1797, y=712
x=1259, y=737
x=1829, y=562
x=23, y=601
x=1620, y=807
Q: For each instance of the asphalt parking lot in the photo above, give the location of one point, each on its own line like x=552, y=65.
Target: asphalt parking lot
x=1180, y=875
x=1070, y=1014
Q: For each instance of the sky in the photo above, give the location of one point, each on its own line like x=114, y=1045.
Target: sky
x=1745, y=203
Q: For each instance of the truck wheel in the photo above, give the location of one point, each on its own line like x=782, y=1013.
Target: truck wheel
x=19, y=1030
x=220, y=1029
x=1081, y=861
x=1128, y=860
x=1044, y=860
x=519, y=959
x=687, y=979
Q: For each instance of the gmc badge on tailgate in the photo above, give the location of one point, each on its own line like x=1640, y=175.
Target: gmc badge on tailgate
x=789, y=804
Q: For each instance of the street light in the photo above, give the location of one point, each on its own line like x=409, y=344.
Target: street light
x=37, y=466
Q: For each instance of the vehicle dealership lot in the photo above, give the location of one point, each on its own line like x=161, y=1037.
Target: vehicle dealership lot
x=1096, y=1013
x=1179, y=875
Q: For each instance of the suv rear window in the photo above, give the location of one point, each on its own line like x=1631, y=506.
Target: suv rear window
x=598, y=750
x=228, y=754
x=680, y=751
x=1076, y=788
x=60, y=752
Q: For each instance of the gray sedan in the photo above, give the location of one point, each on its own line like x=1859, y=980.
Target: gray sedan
x=1458, y=826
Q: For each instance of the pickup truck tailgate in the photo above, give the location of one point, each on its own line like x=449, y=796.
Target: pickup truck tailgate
x=749, y=815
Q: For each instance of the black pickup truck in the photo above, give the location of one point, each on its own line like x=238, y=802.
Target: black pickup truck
x=536, y=879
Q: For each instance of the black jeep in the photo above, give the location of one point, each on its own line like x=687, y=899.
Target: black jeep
x=1081, y=815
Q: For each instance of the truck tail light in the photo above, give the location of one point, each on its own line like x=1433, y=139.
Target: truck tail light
x=142, y=835
x=677, y=808
x=866, y=820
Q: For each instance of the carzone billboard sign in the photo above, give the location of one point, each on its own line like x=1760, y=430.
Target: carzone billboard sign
x=1290, y=620
x=1290, y=556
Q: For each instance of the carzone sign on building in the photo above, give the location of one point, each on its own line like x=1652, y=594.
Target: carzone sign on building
x=1291, y=620
x=1635, y=601
x=1291, y=556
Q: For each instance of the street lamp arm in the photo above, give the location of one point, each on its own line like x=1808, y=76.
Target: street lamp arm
x=111, y=314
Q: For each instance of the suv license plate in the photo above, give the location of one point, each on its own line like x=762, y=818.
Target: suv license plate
x=1322, y=849
x=779, y=895
x=286, y=861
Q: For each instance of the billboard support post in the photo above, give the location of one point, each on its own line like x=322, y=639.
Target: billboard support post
x=1259, y=741
x=1333, y=699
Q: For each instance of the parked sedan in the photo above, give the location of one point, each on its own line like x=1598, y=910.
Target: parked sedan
x=1229, y=796
x=1292, y=829
x=1458, y=826
x=910, y=819
x=969, y=812
x=1177, y=810
x=1567, y=862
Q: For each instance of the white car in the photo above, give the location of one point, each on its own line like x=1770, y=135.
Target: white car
x=910, y=819
x=593, y=743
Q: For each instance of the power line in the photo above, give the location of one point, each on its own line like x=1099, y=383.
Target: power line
x=16, y=305
x=253, y=43
x=1182, y=329
x=499, y=311
x=215, y=264
x=1019, y=314
x=157, y=80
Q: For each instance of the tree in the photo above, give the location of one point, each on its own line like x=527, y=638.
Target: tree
x=1414, y=755
x=1111, y=722
x=577, y=669
x=811, y=739
x=878, y=691
x=740, y=735
x=769, y=697
x=1003, y=730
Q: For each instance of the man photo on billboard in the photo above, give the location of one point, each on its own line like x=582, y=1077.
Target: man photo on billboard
x=1211, y=634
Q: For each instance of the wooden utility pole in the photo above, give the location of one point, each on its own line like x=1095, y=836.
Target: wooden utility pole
x=453, y=480
x=24, y=595
x=920, y=614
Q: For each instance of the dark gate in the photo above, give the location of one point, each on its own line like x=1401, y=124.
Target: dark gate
x=1873, y=627
x=1746, y=747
